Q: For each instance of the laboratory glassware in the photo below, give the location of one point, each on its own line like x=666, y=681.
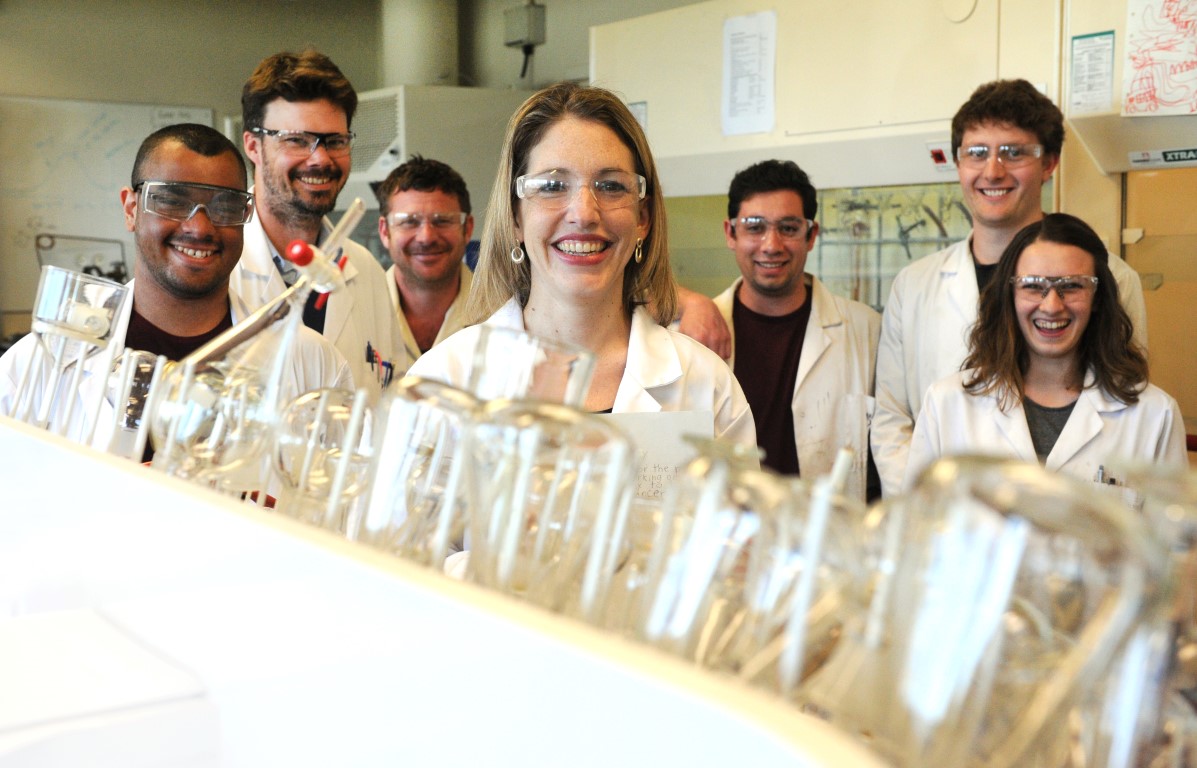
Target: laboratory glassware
x=323, y=451
x=1002, y=594
x=553, y=490
x=74, y=328
x=419, y=499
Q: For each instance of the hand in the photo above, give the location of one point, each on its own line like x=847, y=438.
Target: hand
x=700, y=320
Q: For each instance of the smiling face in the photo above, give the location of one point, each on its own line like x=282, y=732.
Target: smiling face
x=1001, y=197
x=298, y=188
x=578, y=253
x=187, y=259
x=772, y=266
x=1051, y=326
x=425, y=256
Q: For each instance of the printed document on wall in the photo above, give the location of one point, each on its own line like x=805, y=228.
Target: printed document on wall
x=1159, y=76
x=1092, y=86
x=749, y=56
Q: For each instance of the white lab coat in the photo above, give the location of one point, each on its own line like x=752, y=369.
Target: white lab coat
x=1100, y=430
x=314, y=364
x=455, y=319
x=355, y=317
x=833, y=392
x=924, y=337
x=665, y=371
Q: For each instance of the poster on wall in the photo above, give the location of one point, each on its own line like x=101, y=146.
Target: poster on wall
x=749, y=53
x=1160, y=72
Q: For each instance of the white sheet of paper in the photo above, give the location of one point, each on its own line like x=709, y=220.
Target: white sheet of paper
x=661, y=449
x=1092, y=70
x=749, y=59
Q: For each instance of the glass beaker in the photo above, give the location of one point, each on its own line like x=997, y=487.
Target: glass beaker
x=323, y=451
x=554, y=486
x=420, y=496
x=75, y=319
x=1002, y=594
x=805, y=583
x=511, y=364
x=213, y=416
x=135, y=375
x=1146, y=711
x=691, y=593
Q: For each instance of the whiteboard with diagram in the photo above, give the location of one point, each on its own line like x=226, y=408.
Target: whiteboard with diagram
x=62, y=165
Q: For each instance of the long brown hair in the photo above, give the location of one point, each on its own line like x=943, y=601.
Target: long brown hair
x=498, y=278
x=997, y=351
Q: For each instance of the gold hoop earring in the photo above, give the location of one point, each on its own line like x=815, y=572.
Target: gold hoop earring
x=638, y=254
x=517, y=254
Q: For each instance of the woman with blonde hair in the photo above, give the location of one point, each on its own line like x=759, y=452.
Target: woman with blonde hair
x=574, y=250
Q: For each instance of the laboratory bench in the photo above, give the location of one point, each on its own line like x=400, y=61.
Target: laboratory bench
x=149, y=622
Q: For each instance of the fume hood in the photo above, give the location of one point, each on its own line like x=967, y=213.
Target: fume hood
x=1118, y=144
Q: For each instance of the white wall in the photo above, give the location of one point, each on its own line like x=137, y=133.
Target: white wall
x=174, y=51
x=860, y=85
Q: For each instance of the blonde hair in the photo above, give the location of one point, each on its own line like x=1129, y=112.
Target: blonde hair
x=497, y=278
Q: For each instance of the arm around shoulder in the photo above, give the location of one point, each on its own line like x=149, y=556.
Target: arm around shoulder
x=701, y=320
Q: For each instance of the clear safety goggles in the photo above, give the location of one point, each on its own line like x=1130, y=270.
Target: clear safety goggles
x=1067, y=287
x=1009, y=155
x=758, y=226
x=556, y=189
x=304, y=143
x=413, y=221
x=180, y=201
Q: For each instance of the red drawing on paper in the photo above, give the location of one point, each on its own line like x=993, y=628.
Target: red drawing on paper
x=1161, y=58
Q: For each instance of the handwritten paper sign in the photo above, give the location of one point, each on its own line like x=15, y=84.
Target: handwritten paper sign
x=1160, y=72
x=661, y=449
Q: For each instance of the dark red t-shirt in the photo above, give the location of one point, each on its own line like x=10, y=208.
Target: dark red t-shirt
x=767, y=353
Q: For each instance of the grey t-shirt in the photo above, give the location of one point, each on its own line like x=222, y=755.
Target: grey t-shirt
x=1045, y=424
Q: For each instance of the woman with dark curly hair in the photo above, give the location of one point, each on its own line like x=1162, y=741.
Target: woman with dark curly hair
x=1053, y=373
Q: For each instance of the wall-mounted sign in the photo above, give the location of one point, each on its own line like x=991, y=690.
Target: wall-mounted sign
x=1164, y=158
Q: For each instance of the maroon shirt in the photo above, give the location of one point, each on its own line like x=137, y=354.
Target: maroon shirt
x=767, y=353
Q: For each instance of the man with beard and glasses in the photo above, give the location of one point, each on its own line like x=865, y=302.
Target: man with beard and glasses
x=425, y=226
x=297, y=110
x=186, y=206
